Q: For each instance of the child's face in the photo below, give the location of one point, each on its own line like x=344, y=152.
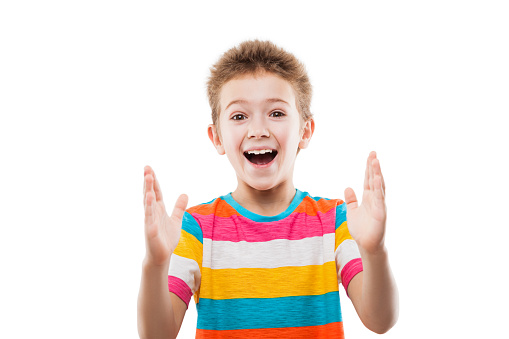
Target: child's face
x=260, y=114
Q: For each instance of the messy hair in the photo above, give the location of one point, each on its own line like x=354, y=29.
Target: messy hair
x=254, y=57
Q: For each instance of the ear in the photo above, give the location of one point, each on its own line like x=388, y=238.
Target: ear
x=216, y=139
x=307, y=133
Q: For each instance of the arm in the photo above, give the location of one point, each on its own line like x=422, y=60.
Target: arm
x=160, y=313
x=373, y=292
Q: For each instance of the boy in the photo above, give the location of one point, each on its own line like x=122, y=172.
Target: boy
x=265, y=261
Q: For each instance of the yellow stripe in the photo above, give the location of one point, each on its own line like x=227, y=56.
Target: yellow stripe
x=189, y=247
x=342, y=234
x=269, y=282
x=197, y=297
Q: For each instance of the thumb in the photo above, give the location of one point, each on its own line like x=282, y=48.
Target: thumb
x=350, y=199
x=180, y=207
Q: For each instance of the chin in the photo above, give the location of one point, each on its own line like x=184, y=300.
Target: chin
x=263, y=188
x=263, y=185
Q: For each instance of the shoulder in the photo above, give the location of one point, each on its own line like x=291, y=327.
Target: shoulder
x=218, y=207
x=203, y=208
x=336, y=208
x=193, y=218
x=323, y=204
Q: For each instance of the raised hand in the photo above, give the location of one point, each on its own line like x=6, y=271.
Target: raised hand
x=366, y=223
x=162, y=232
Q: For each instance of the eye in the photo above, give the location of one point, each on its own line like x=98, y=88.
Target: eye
x=238, y=117
x=277, y=114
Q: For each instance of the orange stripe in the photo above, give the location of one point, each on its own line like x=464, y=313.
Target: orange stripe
x=222, y=209
x=218, y=207
x=323, y=206
x=329, y=331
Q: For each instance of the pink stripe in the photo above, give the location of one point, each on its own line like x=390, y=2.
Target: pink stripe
x=294, y=227
x=353, y=267
x=180, y=288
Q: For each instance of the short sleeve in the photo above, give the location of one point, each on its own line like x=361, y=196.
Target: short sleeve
x=184, y=275
x=346, y=251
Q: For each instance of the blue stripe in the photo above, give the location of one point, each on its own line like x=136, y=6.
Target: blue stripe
x=237, y=314
x=190, y=225
x=297, y=199
x=340, y=214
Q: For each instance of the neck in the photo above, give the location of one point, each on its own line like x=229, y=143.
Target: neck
x=267, y=202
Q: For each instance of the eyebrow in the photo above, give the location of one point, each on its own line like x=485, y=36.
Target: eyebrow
x=240, y=101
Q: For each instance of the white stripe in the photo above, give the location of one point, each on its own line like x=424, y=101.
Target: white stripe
x=268, y=254
x=345, y=252
x=185, y=269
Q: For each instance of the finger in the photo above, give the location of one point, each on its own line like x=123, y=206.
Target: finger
x=378, y=171
x=366, y=175
x=372, y=156
x=377, y=182
x=151, y=228
x=180, y=207
x=376, y=167
x=350, y=199
x=382, y=178
x=149, y=183
x=157, y=189
x=144, y=189
x=149, y=209
x=146, y=170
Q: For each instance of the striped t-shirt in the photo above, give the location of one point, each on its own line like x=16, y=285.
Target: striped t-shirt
x=255, y=276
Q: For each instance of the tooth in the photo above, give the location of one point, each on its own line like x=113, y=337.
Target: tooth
x=261, y=151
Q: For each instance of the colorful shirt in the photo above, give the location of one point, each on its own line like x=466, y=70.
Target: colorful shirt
x=255, y=276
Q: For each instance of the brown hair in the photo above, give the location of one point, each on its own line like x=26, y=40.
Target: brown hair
x=253, y=57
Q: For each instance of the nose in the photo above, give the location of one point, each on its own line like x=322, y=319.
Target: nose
x=258, y=128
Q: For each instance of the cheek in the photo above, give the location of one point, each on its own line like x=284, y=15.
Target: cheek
x=232, y=138
x=288, y=136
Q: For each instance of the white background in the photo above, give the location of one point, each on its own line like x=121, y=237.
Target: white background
x=92, y=91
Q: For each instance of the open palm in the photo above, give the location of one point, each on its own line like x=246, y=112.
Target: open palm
x=162, y=232
x=366, y=223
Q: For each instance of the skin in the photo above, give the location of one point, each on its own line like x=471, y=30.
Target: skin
x=160, y=313
x=260, y=111
x=248, y=120
x=373, y=292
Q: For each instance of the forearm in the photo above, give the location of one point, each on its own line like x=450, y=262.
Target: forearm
x=155, y=310
x=378, y=303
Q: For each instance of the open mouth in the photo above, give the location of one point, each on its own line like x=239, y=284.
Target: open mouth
x=260, y=157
